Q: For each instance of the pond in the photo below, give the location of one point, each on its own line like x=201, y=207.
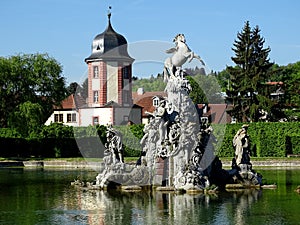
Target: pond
x=43, y=196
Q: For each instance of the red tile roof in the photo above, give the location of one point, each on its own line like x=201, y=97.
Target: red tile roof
x=217, y=112
x=72, y=102
x=145, y=100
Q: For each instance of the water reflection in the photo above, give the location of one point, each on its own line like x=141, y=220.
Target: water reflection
x=160, y=208
x=46, y=197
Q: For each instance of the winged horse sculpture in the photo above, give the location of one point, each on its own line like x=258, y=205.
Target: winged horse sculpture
x=181, y=54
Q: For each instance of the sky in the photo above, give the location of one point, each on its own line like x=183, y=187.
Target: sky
x=65, y=30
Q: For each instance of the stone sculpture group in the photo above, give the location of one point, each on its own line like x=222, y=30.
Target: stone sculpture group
x=177, y=147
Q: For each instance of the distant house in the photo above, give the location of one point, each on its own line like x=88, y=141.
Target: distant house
x=67, y=113
x=73, y=111
x=276, y=90
x=148, y=101
x=215, y=113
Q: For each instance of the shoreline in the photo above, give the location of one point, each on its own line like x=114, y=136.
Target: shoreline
x=83, y=164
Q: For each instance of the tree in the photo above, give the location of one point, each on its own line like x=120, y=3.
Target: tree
x=34, y=78
x=197, y=95
x=84, y=89
x=248, y=77
x=210, y=88
x=223, y=78
x=73, y=88
x=26, y=118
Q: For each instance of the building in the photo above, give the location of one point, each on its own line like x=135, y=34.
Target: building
x=215, y=113
x=68, y=111
x=148, y=101
x=109, y=86
x=109, y=70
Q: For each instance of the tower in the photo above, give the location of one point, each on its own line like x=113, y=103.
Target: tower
x=109, y=70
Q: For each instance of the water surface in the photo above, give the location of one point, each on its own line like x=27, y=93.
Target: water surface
x=45, y=197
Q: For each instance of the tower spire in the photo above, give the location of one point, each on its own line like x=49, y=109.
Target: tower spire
x=109, y=13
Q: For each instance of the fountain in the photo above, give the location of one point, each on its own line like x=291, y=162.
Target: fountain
x=177, y=147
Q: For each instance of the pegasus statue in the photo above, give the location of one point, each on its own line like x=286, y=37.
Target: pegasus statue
x=181, y=53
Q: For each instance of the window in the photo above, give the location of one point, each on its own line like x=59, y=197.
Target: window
x=125, y=71
x=126, y=118
x=71, y=117
x=96, y=71
x=96, y=96
x=61, y=118
x=58, y=117
x=95, y=120
x=155, y=102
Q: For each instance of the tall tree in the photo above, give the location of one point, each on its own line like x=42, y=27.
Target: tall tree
x=248, y=76
x=34, y=78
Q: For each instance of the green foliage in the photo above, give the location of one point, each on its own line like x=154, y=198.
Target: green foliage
x=223, y=78
x=293, y=144
x=56, y=140
x=197, y=95
x=267, y=139
x=9, y=133
x=149, y=84
x=137, y=130
x=26, y=119
x=131, y=139
x=226, y=149
x=34, y=78
x=56, y=130
x=248, y=77
x=208, y=86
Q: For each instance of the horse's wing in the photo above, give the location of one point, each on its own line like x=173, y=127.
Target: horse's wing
x=171, y=50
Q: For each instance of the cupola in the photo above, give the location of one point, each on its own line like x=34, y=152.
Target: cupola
x=109, y=45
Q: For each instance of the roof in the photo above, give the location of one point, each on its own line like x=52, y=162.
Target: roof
x=109, y=45
x=217, y=112
x=72, y=102
x=145, y=100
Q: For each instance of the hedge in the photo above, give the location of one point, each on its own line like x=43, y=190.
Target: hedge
x=56, y=140
x=42, y=148
x=267, y=139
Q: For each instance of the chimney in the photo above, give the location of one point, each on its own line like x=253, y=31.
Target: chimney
x=140, y=91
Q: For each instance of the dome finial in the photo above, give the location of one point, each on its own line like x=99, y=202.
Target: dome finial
x=109, y=12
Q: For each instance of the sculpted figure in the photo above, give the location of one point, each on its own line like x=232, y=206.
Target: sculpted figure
x=114, y=145
x=241, y=144
x=181, y=53
x=160, y=116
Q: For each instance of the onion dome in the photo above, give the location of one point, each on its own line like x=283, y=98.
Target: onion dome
x=109, y=45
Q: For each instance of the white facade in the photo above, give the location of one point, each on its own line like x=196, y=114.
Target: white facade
x=67, y=117
x=94, y=116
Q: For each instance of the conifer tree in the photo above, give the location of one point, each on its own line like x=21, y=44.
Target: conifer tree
x=248, y=76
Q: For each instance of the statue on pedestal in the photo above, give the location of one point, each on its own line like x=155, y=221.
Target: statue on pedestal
x=241, y=143
x=241, y=166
